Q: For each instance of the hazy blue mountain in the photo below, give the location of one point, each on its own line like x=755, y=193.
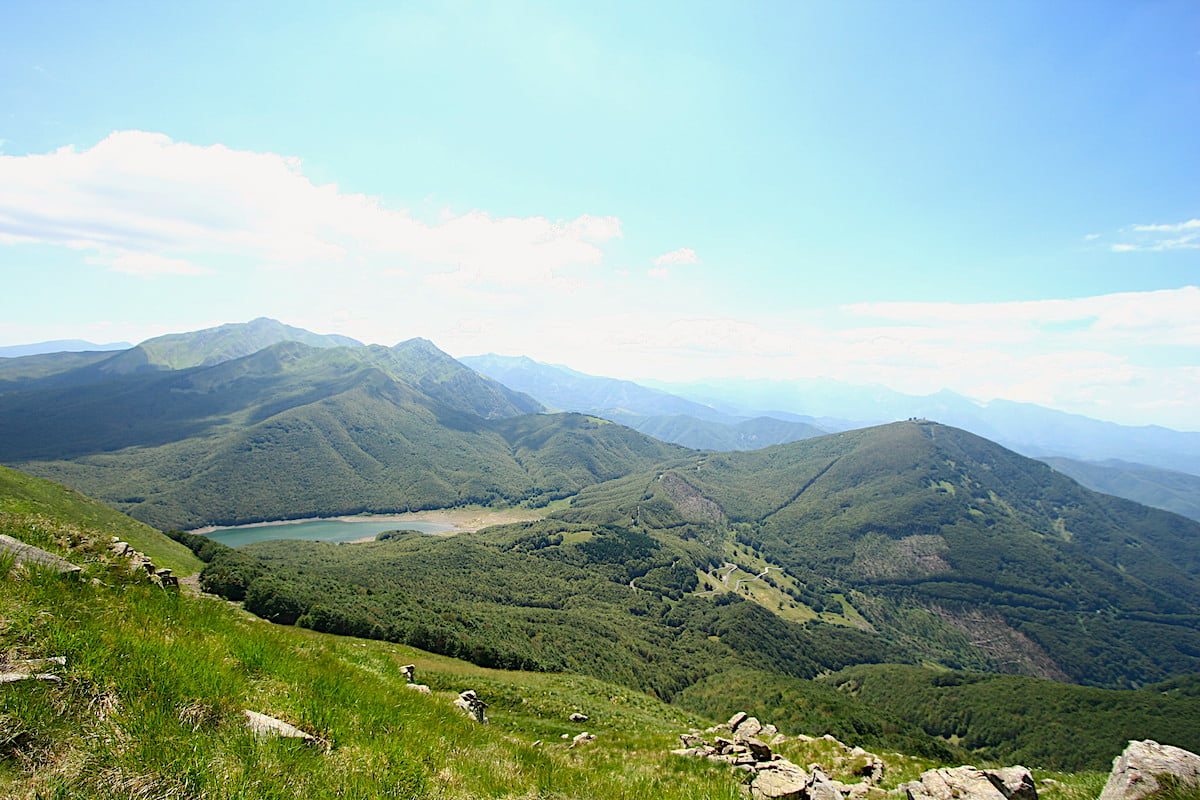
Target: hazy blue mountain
x=1025, y=427
x=662, y=415
x=1159, y=488
x=59, y=346
x=699, y=434
x=564, y=388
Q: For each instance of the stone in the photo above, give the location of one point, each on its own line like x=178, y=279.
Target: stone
x=821, y=788
x=470, y=704
x=410, y=672
x=749, y=728
x=418, y=687
x=582, y=738
x=1015, y=783
x=736, y=720
x=13, y=677
x=969, y=783
x=783, y=781
x=264, y=726
x=758, y=748
x=1138, y=771
x=26, y=555
x=577, y=717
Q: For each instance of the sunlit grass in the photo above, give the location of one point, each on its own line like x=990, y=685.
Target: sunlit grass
x=150, y=706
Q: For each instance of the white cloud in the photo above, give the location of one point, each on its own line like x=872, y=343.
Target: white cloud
x=1158, y=237
x=143, y=203
x=684, y=255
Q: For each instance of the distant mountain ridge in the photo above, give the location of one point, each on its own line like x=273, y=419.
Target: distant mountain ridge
x=1030, y=429
x=59, y=346
x=1159, y=488
x=295, y=430
x=662, y=415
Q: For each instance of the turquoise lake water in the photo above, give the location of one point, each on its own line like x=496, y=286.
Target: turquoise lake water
x=322, y=530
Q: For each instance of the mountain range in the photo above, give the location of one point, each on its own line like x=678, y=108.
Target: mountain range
x=704, y=577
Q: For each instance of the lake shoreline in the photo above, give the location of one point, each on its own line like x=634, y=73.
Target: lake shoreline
x=456, y=520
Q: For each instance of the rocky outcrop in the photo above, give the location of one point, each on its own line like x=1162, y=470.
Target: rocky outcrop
x=970, y=783
x=745, y=744
x=140, y=561
x=26, y=554
x=1148, y=766
x=470, y=704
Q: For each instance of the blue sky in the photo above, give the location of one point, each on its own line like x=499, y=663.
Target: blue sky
x=1000, y=198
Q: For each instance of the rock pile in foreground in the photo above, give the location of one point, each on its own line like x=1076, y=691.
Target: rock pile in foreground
x=1147, y=766
x=971, y=783
x=745, y=744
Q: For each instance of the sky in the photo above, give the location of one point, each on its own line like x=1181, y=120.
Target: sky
x=998, y=198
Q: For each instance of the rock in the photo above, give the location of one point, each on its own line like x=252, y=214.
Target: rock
x=472, y=706
x=13, y=677
x=748, y=729
x=821, y=788
x=577, y=717
x=410, y=672
x=26, y=555
x=969, y=783
x=263, y=726
x=736, y=720
x=758, y=748
x=32, y=669
x=1015, y=783
x=783, y=781
x=583, y=738
x=1137, y=771
x=690, y=739
x=418, y=687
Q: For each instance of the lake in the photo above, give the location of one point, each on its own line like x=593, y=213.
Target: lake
x=320, y=530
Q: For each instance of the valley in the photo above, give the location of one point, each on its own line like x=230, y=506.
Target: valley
x=867, y=583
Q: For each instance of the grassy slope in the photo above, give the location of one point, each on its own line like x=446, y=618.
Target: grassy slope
x=55, y=512
x=150, y=706
x=150, y=700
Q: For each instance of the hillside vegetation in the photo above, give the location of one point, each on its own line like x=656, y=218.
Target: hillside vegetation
x=150, y=700
x=910, y=543
x=295, y=431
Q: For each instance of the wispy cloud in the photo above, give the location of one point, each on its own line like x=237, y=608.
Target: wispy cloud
x=684, y=255
x=1160, y=236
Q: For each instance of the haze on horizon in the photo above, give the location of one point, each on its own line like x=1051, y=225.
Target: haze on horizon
x=995, y=198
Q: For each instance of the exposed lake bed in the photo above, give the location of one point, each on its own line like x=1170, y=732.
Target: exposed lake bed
x=364, y=528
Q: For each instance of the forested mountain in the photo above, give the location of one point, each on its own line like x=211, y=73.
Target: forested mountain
x=978, y=557
x=1159, y=488
x=293, y=431
x=659, y=414
x=925, y=542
